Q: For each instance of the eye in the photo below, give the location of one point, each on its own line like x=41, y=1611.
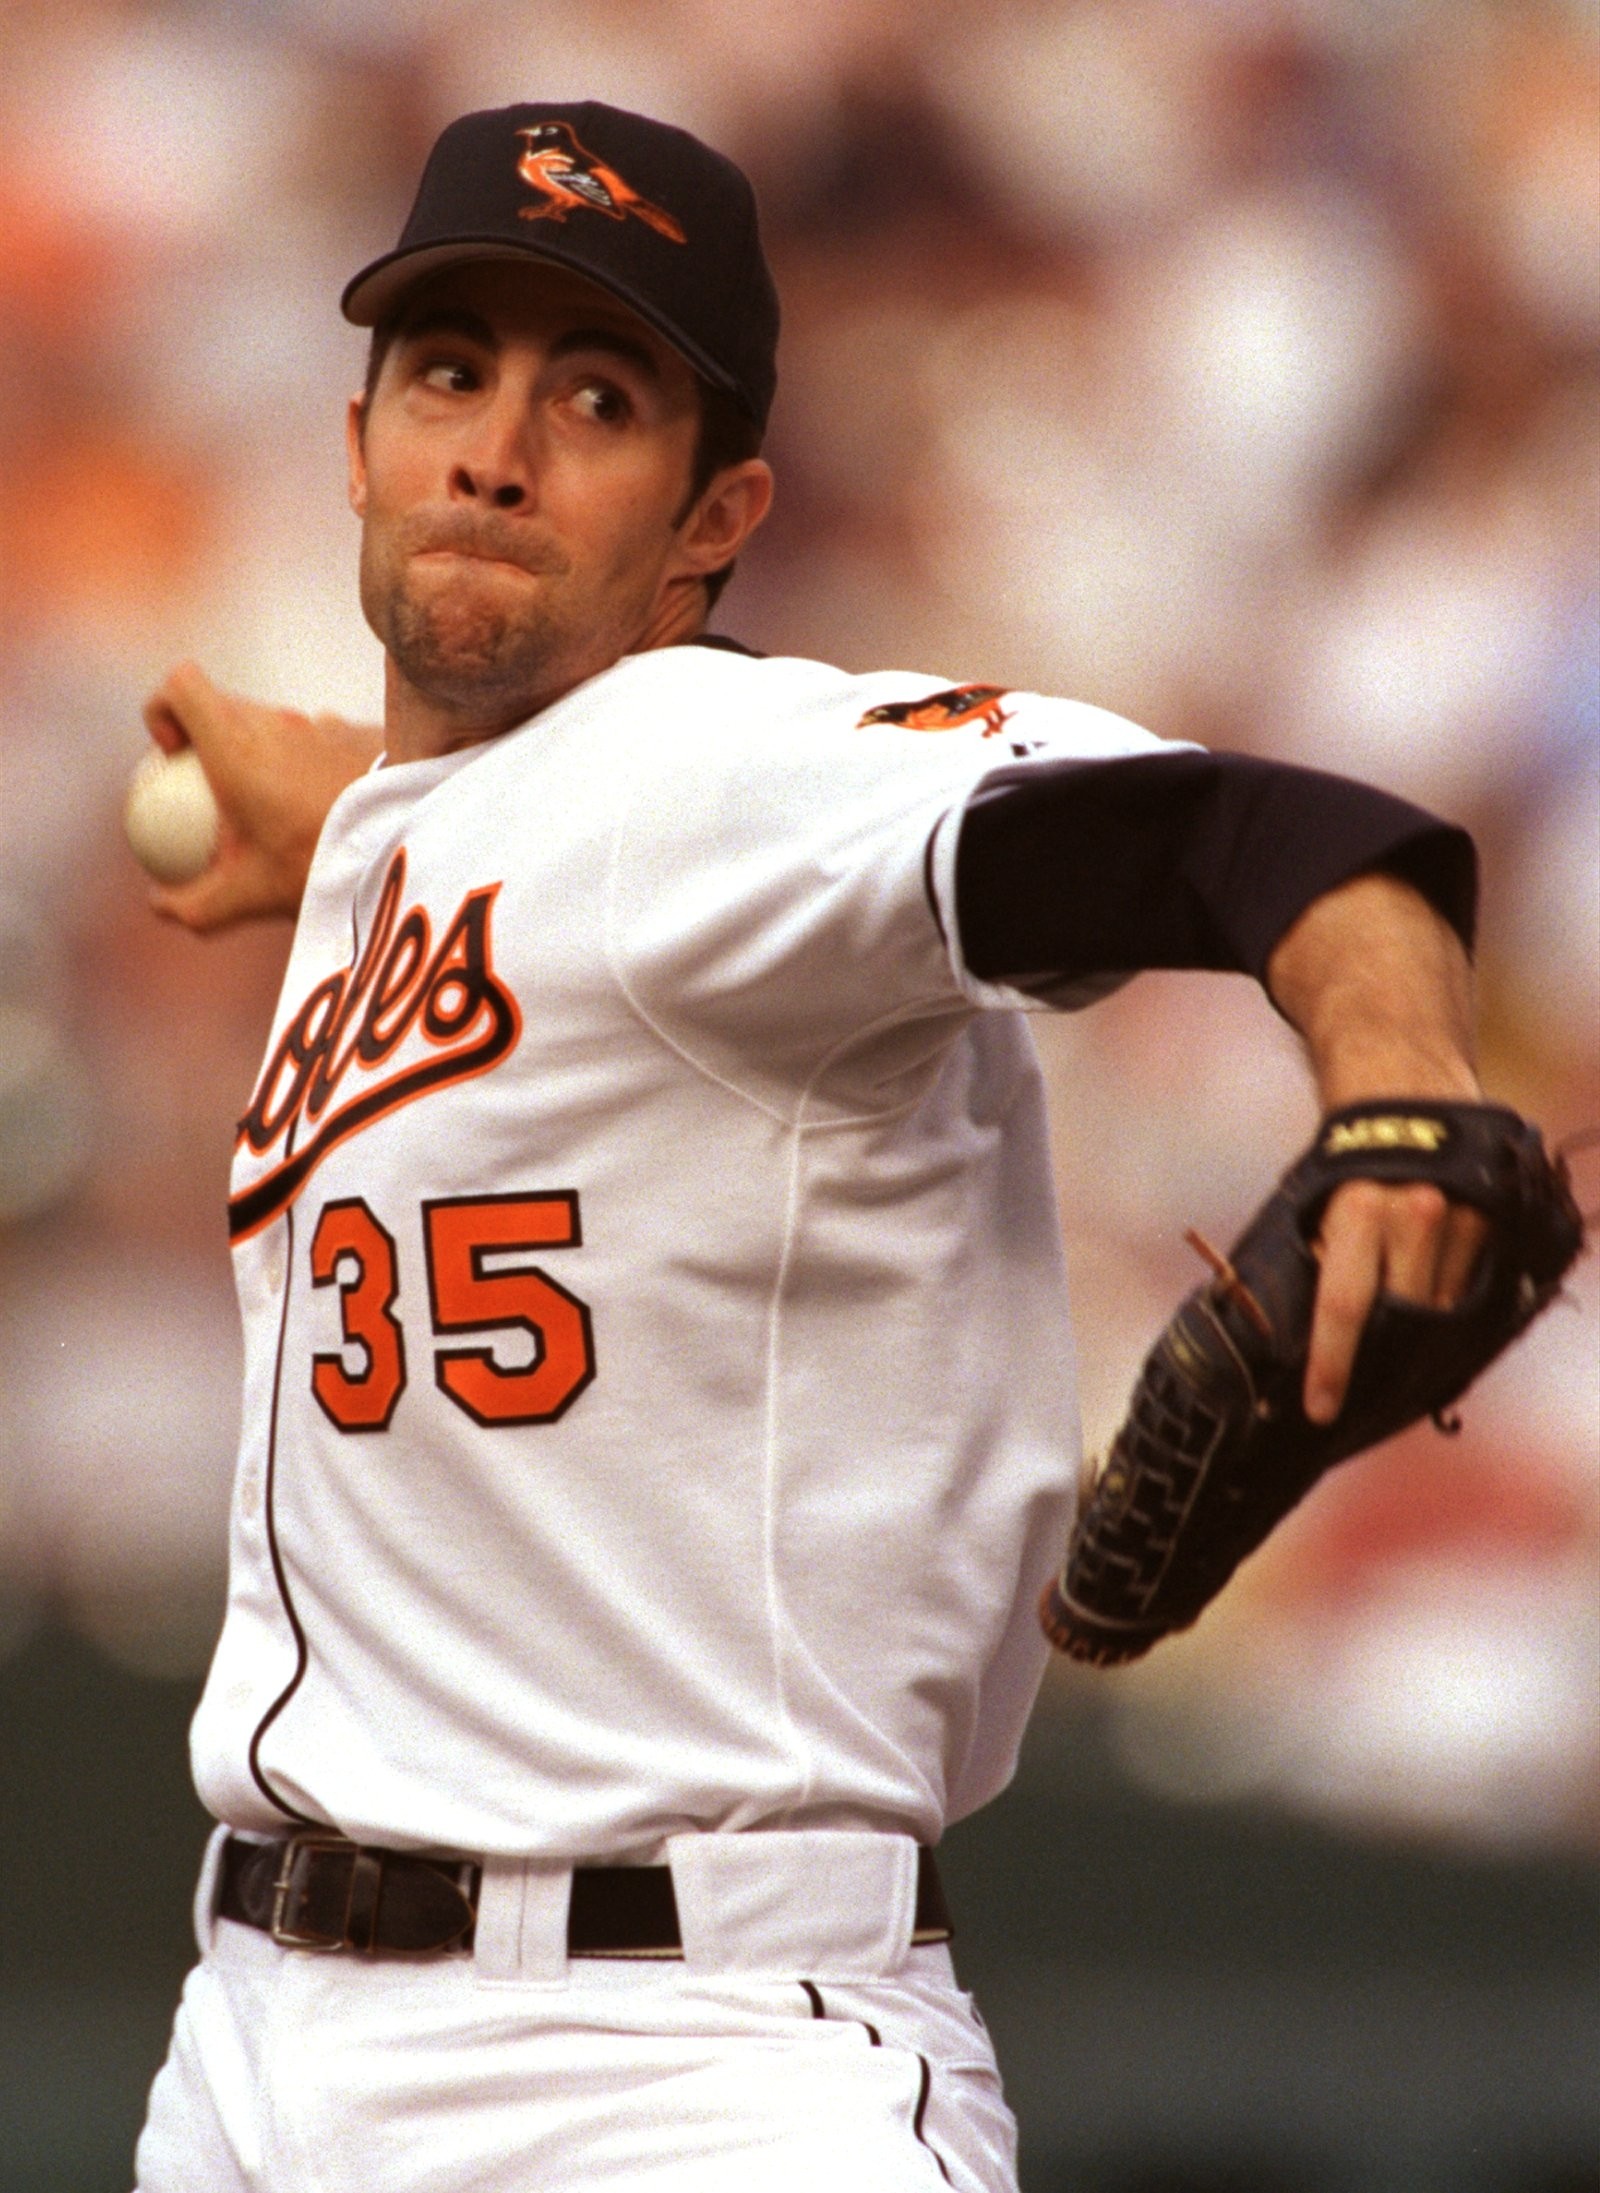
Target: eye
x=602, y=402
x=452, y=376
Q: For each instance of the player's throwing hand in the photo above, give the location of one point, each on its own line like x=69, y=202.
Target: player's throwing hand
x=275, y=774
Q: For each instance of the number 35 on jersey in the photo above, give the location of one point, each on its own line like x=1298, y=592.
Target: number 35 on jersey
x=479, y=1283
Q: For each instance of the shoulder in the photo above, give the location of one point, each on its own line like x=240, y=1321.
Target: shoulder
x=707, y=680
x=911, y=712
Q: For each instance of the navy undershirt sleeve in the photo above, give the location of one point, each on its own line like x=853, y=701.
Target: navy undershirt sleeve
x=1071, y=869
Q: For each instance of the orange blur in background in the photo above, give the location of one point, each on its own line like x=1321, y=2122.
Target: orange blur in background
x=1233, y=367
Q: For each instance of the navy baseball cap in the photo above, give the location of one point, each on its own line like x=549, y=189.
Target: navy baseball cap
x=645, y=210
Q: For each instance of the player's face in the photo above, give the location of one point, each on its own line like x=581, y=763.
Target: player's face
x=521, y=472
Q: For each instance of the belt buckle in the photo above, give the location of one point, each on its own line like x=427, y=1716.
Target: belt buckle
x=287, y=1891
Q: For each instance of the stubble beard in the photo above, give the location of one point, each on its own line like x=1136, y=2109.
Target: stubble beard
x=477, y=649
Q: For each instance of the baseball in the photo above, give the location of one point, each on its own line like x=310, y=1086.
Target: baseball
x=171, y=816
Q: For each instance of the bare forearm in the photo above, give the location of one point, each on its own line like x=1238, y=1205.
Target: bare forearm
x=1380, y=989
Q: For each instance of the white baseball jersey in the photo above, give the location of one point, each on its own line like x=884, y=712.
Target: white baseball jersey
x=658, y=1406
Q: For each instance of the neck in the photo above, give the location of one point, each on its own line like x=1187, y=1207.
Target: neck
x=419, y=728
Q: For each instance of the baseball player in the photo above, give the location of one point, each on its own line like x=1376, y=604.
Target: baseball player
x=658, y=1414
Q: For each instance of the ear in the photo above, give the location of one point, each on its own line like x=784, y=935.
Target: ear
x=356, y=455
x=725, y=517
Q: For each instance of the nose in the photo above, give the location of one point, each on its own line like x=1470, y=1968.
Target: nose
x=496, y=464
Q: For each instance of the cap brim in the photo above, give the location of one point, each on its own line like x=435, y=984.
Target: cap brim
x=378, y=288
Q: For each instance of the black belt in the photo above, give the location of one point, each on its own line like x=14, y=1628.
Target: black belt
x=318, y=1891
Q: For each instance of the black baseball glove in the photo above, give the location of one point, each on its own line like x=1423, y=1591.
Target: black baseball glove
x=1217, y=1448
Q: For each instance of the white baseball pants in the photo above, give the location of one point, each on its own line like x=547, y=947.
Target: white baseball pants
x=515, y=2071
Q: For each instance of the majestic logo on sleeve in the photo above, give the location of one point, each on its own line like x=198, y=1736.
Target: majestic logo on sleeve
x=567, y=175
x=349, y=1055
x=946, y=711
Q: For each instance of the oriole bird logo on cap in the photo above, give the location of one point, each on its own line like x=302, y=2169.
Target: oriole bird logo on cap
x=567, y=175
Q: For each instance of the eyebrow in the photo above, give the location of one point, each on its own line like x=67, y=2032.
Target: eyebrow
x=445, y=320
x=456, y=320
x=610, y=342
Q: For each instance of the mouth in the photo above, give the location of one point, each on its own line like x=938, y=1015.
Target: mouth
x=486, y=545
x=473, y=555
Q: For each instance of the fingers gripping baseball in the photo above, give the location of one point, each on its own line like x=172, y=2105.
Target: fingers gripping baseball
x=1406, y=1241
x=274, y=774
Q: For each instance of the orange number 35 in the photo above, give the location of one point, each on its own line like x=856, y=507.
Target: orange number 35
x=466, y=1296
x=353, y=1251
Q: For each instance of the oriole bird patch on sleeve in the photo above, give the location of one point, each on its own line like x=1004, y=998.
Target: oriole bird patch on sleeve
x=946, y=711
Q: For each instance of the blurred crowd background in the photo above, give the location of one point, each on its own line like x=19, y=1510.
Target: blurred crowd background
x=1230, y=365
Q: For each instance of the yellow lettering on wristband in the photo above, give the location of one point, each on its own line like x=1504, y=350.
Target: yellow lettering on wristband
x=1385, y=1131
